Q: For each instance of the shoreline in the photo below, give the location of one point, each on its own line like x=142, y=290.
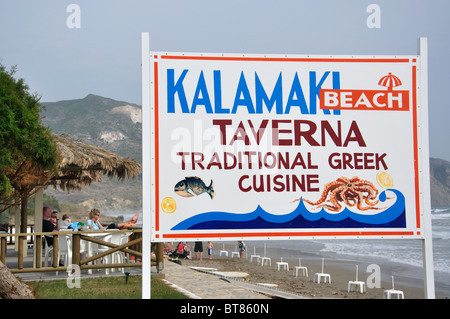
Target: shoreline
x=341, y=269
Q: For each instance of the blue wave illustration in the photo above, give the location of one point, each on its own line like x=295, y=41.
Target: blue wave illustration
x=301, y=217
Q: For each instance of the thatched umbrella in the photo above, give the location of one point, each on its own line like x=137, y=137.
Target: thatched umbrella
x=81, y=164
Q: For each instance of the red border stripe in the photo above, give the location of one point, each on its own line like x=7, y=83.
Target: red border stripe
x=156, y=148
x=274, y=59
x=289, y=234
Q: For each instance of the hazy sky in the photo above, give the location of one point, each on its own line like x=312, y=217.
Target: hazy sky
x=65, y=53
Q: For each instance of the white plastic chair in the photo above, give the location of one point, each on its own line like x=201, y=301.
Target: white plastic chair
x=359, y=285
x=48, y=251
x=118, y=256
x=321, y=275
x=235, y=253
x=266, y=261
x=124, y=240
x=302, y=269
x=97, y=249
x=223, y=251
x=64, y=250
x=254, y=255
x=282, y=265
x=389, y=294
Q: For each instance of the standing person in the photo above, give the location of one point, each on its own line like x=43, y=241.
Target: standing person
x=210, y=250
x=187, y=250
x=198, y=248
x=241, y=248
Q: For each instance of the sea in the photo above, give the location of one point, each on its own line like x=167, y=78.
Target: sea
x=402, y=258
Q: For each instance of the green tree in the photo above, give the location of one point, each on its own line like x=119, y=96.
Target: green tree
x=28, y=155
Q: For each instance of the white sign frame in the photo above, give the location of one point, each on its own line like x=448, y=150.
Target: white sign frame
x=151, y=63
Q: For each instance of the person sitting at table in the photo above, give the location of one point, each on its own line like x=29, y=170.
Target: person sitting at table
x=47, y=225
x=65, y=222
x=94, y=221
x=126, y=224
x=54, y=218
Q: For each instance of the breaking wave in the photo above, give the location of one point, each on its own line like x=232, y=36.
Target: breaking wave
x=301, y=217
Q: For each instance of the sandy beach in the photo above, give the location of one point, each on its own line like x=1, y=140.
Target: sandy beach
x=341, y=272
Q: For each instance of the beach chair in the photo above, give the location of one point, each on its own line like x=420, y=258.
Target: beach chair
x=389, y=294
x=48, y=251
x=322, y=275
x=302, y=269
x=94, y=249
x=359, y=285
x=282, y=265
x=235, y=253
x=223, y=251
x=265, y=260
x=254, y=255
x=64, y=250
x=117, y=257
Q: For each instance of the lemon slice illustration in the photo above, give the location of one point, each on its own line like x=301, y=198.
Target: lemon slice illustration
x=385, y=180
x=168, y=205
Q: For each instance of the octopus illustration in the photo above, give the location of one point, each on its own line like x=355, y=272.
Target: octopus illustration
x=352, y=192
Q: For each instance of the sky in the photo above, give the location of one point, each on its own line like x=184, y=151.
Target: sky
x=68, y=49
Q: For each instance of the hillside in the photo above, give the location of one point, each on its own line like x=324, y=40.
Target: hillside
x=117, y=126
x=110, y=124
x=113, y=125
x=440, y=182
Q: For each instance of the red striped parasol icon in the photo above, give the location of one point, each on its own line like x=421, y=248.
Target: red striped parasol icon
x=390, y=81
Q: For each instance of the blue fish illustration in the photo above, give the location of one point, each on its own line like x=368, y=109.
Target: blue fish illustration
x=193, y=186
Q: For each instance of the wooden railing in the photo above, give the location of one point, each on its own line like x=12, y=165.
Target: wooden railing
x=132, y=247
x=11, y=229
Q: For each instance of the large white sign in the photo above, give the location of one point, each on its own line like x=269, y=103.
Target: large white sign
x=271, y=146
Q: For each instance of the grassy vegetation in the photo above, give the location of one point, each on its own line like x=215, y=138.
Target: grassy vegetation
x=103, y=288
